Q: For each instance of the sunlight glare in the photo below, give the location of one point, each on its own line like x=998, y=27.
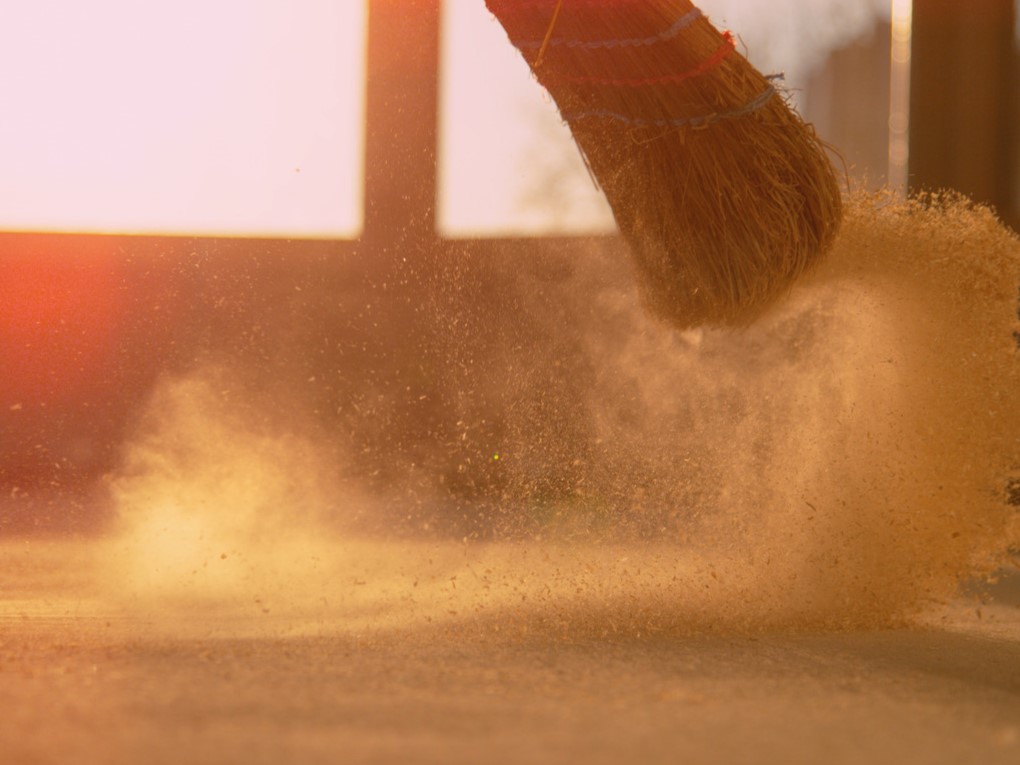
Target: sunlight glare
x=234, y=117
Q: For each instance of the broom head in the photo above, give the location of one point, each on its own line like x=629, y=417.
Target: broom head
x=724, y=194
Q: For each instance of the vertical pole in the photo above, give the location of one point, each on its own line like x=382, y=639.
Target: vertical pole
x=963, y=100
x=899, y=96
x=401, y=117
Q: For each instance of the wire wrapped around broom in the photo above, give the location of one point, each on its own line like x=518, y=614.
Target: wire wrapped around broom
x=724, y=193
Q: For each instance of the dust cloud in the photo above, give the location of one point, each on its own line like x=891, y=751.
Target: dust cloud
x=844, y=463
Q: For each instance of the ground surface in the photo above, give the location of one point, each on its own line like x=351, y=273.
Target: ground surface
x=81, y=683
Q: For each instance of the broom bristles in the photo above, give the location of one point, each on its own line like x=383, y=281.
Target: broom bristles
x=724, y=194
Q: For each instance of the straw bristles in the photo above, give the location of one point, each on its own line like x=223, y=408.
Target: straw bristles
x=724, y=194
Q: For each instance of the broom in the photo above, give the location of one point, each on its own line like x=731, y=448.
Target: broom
x=724, y=194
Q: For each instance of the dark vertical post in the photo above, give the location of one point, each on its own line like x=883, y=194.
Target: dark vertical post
x=963, y=100
x=401, y=114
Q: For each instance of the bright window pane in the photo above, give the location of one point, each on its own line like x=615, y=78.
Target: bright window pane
x=211, y=117
x=507, y=163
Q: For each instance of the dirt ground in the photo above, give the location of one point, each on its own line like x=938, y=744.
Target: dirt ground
x=85, y=683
